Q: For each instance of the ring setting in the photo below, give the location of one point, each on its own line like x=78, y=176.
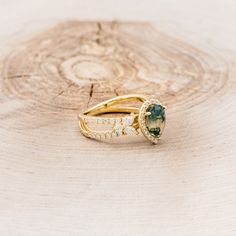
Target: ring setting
x=112, y=119
x=152, y=119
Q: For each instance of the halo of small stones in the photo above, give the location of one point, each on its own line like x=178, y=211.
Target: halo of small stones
x=142, y=122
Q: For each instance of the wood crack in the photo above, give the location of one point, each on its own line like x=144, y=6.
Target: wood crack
x=90, y=94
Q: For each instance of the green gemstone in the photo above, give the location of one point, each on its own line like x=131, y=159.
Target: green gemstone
x=156, y=117
x=157, y=112
x=155, y=131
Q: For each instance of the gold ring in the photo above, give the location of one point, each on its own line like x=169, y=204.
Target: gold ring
x=111, y=119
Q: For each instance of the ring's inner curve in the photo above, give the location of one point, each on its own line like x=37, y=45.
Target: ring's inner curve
x=109, y=106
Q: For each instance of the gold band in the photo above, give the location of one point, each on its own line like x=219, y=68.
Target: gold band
x=149, y=118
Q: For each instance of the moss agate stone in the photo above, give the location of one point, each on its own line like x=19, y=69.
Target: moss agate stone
x=155, y=118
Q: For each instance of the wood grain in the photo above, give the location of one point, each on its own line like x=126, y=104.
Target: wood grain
x=56, y=182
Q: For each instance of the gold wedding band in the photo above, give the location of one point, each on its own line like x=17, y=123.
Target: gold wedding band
x=112, y=118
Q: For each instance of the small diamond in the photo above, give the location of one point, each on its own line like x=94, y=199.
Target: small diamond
x=118, y=120
x=130, y=130
x=128, y=120
x=146, y=132
x=111, y=120
x=118, y=129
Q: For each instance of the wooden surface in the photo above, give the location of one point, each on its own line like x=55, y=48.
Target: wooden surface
x=56, y=182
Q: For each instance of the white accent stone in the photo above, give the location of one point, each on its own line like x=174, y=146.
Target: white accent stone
x=118, y=120
x=118, y=129
x=130, y=130
x=128, y=120
x=99, y=120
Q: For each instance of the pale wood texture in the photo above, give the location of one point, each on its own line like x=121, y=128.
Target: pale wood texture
x=56, y=182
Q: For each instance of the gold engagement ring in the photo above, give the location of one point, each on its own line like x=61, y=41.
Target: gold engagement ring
x=112, y=118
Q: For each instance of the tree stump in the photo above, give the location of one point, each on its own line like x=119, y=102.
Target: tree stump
x=54, y=181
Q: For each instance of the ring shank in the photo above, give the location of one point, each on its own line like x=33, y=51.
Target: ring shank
x=111, y=106
x=108, y=106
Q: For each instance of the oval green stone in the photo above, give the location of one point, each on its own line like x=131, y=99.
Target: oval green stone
x=156, y=117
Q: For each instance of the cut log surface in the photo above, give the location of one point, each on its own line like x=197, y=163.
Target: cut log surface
x=54, y=181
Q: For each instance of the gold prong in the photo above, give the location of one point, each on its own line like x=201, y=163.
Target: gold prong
x=148, y=113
